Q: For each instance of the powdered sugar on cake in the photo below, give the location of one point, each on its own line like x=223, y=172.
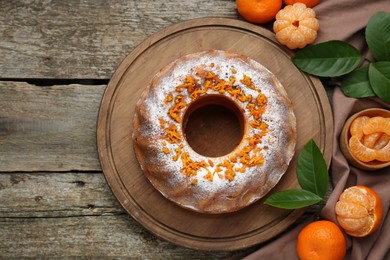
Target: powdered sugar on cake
x=271, y=130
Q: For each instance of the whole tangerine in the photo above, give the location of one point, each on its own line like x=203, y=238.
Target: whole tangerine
x=321, y=239
x=308, y=3
x=258, y=11
x=359, y=211
x=296, y=26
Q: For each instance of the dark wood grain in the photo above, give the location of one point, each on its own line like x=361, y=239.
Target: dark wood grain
x=48, y=128
x=75, y=215
x=53, y=194
x=86, y=39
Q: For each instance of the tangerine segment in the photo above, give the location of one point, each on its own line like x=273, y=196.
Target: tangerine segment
x=383, y=154
x=351, y=209
x=383, y=140
x=359, y=211
x=356, y=127
x=370, y=140
x=361, y=152
x=356, y=227
x=377, y=124
x=357, y=196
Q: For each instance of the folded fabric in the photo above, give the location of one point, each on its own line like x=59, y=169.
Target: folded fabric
x=344, y=20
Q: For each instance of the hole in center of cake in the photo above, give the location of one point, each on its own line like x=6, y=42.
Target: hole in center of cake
x=213, y=126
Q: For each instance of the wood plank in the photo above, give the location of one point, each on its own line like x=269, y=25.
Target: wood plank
x=48, y=128
x=75, y=215
x=91, y=237
x=54, y=194
x=87, y=39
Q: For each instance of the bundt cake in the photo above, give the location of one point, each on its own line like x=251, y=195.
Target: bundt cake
x=214, y=184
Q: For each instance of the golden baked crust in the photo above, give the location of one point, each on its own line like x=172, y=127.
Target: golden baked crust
x=214, y=184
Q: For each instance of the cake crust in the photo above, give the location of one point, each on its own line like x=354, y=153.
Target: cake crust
x=214, y=184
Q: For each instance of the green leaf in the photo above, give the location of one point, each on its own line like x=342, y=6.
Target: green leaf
x=328, y=59
x=378, y=36
x=357, y=85
x=379, y=75
x=312, y=172
x=293, y=199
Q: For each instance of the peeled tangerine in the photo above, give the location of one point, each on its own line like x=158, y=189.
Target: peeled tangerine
x=296, y=26
x=370, y=138
x=359, y=211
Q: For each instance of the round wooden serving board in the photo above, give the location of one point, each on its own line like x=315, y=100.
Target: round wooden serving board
x=249, y=226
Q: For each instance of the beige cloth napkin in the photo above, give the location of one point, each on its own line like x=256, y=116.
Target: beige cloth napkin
x=344, y=20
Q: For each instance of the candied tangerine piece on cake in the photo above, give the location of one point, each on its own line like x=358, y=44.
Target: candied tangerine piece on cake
x=361, y=152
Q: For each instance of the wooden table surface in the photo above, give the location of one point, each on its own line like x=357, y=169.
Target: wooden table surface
x=56, y=60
